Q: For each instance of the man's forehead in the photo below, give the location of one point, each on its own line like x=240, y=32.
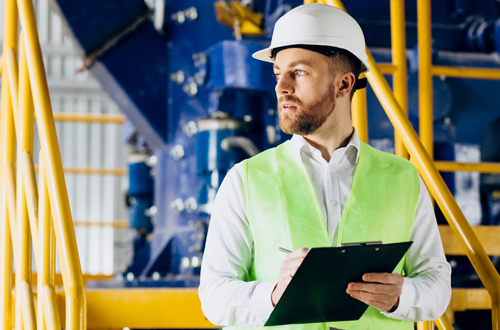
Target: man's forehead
x=291, y=57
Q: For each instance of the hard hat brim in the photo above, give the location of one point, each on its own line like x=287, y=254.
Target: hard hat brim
x=265, y=55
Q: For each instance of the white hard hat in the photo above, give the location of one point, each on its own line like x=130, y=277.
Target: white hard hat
x=320, y=25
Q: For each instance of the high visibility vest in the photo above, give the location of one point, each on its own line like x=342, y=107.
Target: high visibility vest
x=283, y=210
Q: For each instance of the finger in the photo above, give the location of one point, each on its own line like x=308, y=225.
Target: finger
x=297, y=254
x=387, y=278
x=381, y=306
x=291, y=264
x=380, y=297
x=377, y=288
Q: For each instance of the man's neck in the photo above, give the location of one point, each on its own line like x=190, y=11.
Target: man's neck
x=327, y=144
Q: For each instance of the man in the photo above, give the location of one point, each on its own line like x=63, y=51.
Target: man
x=322, y=188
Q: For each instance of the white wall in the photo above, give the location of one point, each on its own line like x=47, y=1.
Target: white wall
x=93, y=198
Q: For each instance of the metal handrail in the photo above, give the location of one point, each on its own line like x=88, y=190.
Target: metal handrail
x=25, y=214
x=76, y=310
x=426, y=167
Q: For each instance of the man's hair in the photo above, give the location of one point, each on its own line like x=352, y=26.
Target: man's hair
x=343, y=60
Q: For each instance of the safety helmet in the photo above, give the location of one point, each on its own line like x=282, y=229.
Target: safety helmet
x=320, y=25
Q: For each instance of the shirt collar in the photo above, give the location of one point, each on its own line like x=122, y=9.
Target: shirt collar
x=299, y=143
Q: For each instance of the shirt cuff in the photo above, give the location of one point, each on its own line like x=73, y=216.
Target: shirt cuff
x=405, y=301
x=261, y=298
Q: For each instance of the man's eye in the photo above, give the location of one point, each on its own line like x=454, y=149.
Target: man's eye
x=277, y=76
x=300, y=73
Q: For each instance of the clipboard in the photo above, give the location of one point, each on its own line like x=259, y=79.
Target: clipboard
x=317, y=291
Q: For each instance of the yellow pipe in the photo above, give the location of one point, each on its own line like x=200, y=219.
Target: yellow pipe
x=426, y=117
x=114, y=224
x=466, y=72
x=76, y=311
x=7, y=156
x=387, y=68
x=426, y=325
x=425, y=165
x=13, y=73
x=25, y=102
x=443, y=323
x=24, y=130
x=27, y=302
x=63, y=116
x=10, y=181
x=51, y=308
x=96, y=171
x=483, y=167
x=47, y=307
x=31, y=193
x=1, y=66
x=359, y=114
x=399, y=79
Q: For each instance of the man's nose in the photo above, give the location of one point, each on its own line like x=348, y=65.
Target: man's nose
x=284, y=86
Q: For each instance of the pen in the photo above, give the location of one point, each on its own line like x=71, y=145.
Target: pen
x=284, y=250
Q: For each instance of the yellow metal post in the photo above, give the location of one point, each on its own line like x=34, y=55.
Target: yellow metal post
x=7, y=149
x=12, y=70
x=48, y=312
x=359, y=114
x=466, y=72
x=399, y=80
x=25, y=144
x=426, y=117
x=76, y=312
x=427, y=325
x=443, y=323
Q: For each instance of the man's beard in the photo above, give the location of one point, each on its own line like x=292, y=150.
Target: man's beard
x=306, y=119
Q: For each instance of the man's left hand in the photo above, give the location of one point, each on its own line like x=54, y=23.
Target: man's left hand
x=380, y=290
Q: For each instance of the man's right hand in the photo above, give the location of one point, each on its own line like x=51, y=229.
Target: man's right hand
x=288, y=269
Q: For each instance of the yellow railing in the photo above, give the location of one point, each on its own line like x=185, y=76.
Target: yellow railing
x=31, y=215
x=420, y=150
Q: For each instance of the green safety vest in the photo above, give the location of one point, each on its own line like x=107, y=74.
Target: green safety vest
x=283, y=210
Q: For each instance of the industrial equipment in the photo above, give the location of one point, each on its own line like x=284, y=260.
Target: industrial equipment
x=183, y=74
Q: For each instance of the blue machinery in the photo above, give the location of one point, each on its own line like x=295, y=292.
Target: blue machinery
x=198, y=103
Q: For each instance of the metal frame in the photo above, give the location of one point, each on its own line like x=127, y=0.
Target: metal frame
x=28, y=218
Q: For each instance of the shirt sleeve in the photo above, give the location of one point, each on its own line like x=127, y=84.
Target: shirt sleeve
x=227, y=296
x=426, y=290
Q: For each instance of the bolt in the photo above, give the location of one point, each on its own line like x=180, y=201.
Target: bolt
x=178, y=77
x=195, y=262
x=190, y=128
x=179, y=17
x=177, y=152
x=152, y=161
x=151, y=212
x=247, y=118
x=156, y=276
x=191, y=204
x=185, y=262
x=177, y=205
x=191, y=13
x=130, y=277
x=191, y=88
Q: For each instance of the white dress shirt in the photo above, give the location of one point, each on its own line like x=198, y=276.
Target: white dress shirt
x=227, y=298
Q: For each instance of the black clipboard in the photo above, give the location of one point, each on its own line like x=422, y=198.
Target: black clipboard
x=317, y=292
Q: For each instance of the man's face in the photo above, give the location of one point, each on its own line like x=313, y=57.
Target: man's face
x=304, y=89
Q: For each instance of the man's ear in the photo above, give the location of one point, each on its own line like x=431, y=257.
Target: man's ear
x=345, y=84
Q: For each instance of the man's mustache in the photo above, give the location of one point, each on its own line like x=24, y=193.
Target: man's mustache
x=289, y=98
